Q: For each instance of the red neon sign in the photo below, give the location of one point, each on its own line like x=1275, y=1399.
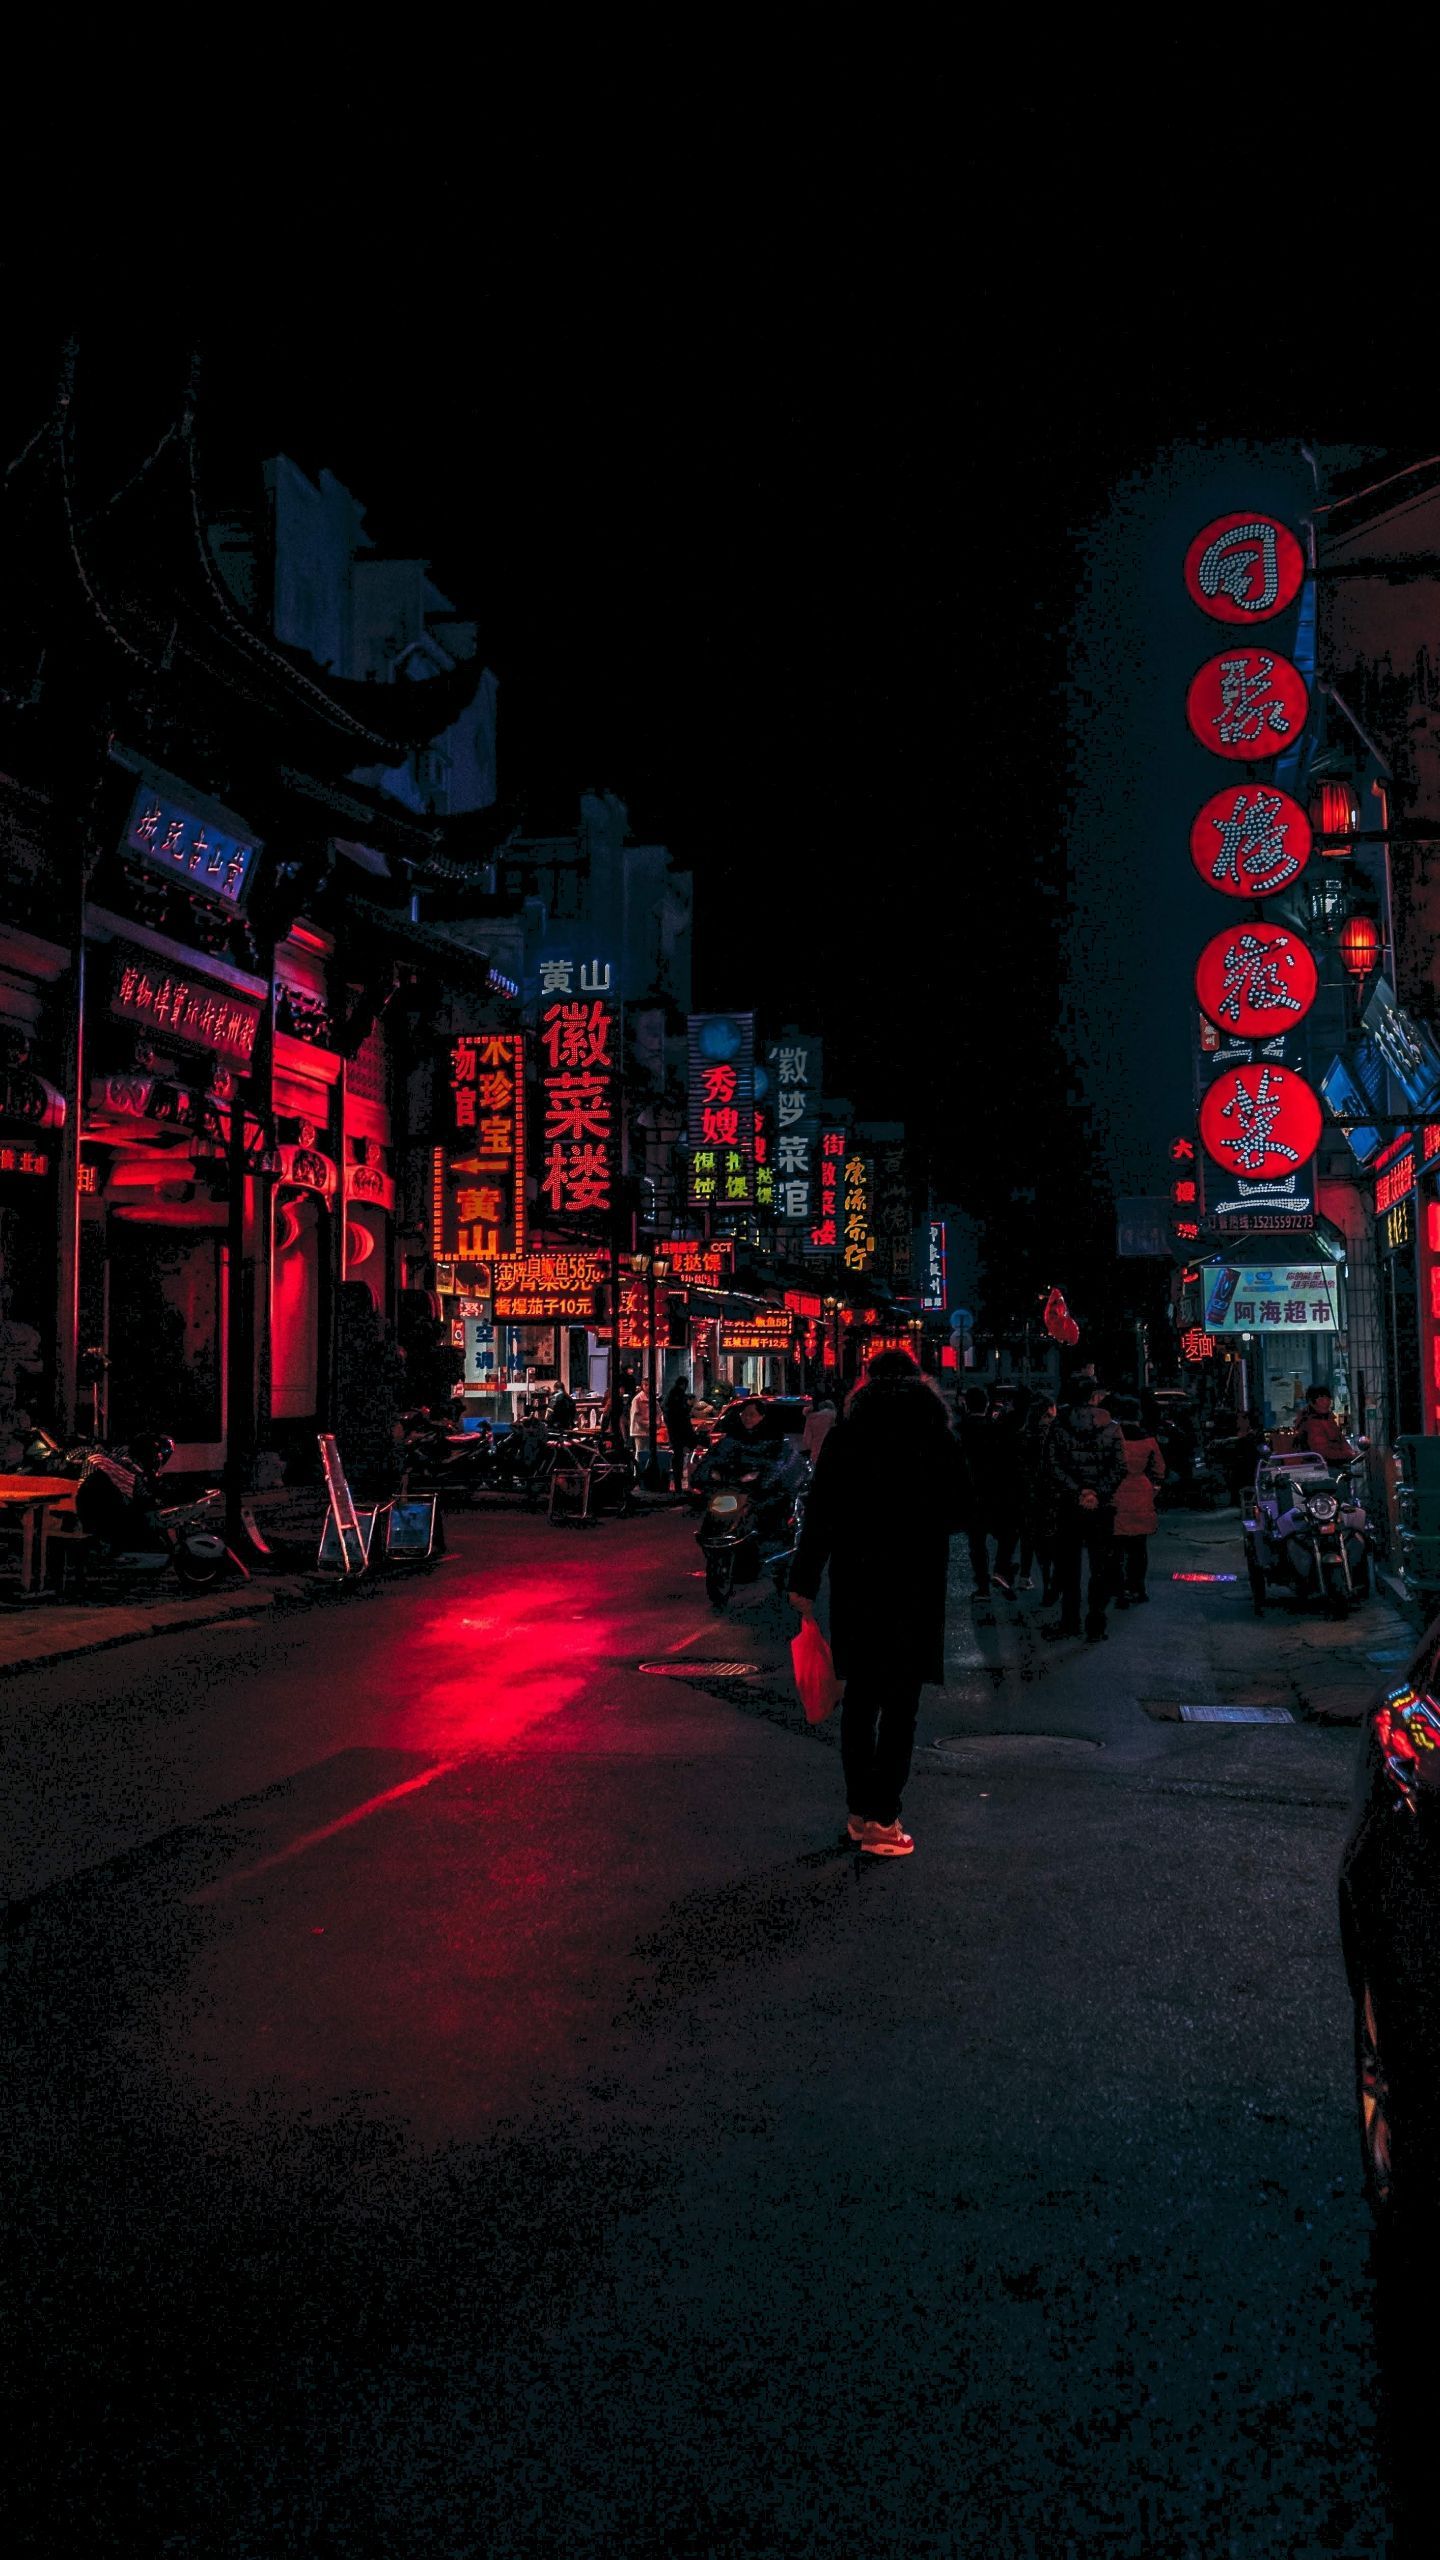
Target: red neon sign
x=482, y=1200
x=1244, y=568
x=1260, y=1121
x=577, y=1085
x=1246, y=704
x=1256, y=980
x=1250, y=840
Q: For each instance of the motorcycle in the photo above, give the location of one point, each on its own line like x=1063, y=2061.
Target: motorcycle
x=117, y=1502
x=1307, y=1532
x=439, y=1460
x=754, y=1507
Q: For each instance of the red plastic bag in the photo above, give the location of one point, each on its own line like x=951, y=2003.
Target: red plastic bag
x=815, y=1679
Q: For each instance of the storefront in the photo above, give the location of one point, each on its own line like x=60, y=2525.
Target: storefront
x=1277, y=1300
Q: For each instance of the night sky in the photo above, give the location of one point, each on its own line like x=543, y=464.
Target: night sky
x=770, y=433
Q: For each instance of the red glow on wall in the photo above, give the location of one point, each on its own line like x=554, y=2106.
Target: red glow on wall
x=1254, y=980
x=1247, y=704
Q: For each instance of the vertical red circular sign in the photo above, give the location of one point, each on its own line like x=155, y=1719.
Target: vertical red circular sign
x=1260, y=1121
x=1247, y=703
x=1256, y=980
x=1244, y=568
x=1250, y=840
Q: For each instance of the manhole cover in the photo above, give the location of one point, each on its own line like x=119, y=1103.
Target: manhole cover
x=701, y=1670
x=1011, y=1746
x=1236, y=1715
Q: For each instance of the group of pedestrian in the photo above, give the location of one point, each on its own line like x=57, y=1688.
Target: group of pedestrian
x=1063, y=1484
x=1057, y=1486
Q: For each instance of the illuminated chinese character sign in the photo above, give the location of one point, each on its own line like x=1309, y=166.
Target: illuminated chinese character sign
x=480, y=1166
x=579, y=1097
x=1256, y=980
x=795, y=1065
x=1247, y=704
x=721, y=1064
x=1244, y=568
x=699, y=1265
x=857, y=1248
x=563, y=973
x=894, y=1237
x=768, y=1330
x=824, y=1238
x=1260, y=1121
x=186, y=848
x=179, y=1008
x=1250, y=840
x=1270, y=1298
x=548, y=1288
x=934, y=1275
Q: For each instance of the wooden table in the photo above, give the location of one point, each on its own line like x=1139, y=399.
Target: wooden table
x=24, y=1503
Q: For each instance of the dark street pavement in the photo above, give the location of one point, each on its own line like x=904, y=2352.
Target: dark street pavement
x=466, y=2100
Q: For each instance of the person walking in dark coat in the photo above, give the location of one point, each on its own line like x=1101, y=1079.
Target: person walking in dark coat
x=889, y=1488
x=1085, y=1465
x=1037, y=1501
x=973, y=1429
x=683, y=1435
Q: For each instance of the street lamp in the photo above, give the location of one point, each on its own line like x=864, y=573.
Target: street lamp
x=832, y=1309
x=654, y=1266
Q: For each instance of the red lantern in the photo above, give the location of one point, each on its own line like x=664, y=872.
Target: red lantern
x=1244, y=568
x=1360, y=945
x=1255, y=980
x=1333, y=813
x=1247, y=703
x=1260, y=1121
x=1250, y=840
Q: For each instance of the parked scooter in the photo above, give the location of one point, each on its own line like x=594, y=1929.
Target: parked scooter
x=438, y=1460
x=117, y=1500
x=1307, y=1532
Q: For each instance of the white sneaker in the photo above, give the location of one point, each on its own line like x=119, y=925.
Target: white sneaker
x=1024, y=1582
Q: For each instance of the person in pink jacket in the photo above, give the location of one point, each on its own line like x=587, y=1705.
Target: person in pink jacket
x=1135, y=1513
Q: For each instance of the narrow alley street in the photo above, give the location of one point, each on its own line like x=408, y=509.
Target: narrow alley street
x=467, y=2098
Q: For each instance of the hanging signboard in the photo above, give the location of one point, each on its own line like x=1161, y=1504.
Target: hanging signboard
x=189, y=848
x=935, y=1273
x=1247, y=704
x=184, y=1009
x=857, y=1228
x=1280, y=1297
x=824, y=1237
x=698, y=1264
x=479, y=1185
x=1244, y=568
x=1407, y=1047
x=721, y=1082
x=1250, y=840
x=891, y=1209
x=579, y=1093
x=1261, y=1121
x=769, y=1330
x=1256, y=980
x=548, y=1288
x=796, y=1067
